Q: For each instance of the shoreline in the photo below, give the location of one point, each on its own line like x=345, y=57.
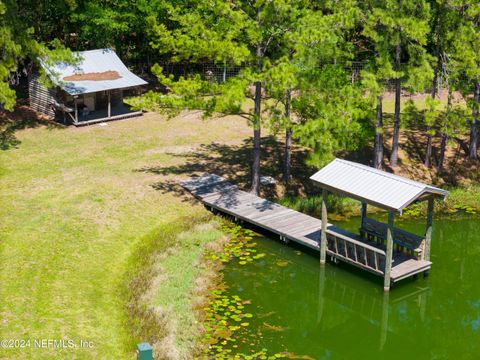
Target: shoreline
x=164, y=306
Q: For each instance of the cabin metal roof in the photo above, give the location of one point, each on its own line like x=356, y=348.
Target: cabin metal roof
x=376, y=187
x=93, y=61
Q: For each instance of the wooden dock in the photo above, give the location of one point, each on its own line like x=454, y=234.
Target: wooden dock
x=219, y=195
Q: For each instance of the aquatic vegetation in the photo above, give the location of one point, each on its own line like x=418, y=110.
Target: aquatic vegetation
x=282, y=263
x=273, y=327
x=240, y=246
x=465, y=208
x=226, y=316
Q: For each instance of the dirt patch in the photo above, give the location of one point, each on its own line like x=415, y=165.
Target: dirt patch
x=22, y=112
x=22, y=117
x=442, y=95
x=172, y=150
x=94, y=76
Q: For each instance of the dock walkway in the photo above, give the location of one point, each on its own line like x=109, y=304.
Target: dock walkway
x=220, y=195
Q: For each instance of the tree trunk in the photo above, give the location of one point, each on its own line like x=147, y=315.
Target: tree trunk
x=443, y=144
x=378, y=146
x=255, y=189
x=396, y=120
x=474, y=126
x=441, y=156
x=288, y=139
x=428, y=155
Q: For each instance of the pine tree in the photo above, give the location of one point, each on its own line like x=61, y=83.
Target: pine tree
x=235, y=32
x=17, y=44
x=398, y=30
x=466, y=57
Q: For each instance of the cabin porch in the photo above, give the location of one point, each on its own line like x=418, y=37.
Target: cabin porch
x=93, y=108
x=118, y=111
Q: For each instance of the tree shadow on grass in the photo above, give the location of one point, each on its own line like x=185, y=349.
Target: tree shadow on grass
x=233, y=162
x=23, y=117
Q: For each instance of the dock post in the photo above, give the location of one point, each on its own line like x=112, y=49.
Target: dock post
x=428, y=233
x=363, y=215
x=364, y=212
x=323, y=234
x=389, y=252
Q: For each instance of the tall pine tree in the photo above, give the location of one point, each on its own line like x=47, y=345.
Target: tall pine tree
x=398, y=32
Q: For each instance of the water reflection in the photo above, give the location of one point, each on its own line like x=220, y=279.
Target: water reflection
x=339, y=312
x=372, y=307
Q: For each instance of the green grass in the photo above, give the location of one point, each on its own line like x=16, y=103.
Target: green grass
x=312, y=205
x=77, y=204
x=85, y=216
x=464, y=197
x=419, y=103
x=168, y=286
x=181, y=271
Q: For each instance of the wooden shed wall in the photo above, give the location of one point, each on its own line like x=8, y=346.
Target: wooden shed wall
x=41, y=98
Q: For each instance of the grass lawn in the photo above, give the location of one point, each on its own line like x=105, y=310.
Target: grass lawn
x=77, y=204
x=89, y=214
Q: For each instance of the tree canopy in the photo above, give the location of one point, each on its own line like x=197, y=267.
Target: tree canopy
x=294, y=58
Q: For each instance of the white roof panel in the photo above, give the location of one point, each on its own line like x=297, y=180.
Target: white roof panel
x=373, y=186
x=93, y=61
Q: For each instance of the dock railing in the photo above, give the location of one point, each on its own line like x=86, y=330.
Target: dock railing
x=355, y=252
x=408, y=243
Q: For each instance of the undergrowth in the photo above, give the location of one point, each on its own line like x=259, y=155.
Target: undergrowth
x=459, y=200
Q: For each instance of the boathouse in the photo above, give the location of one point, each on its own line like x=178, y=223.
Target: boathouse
x=379, y=248
x=87, y=92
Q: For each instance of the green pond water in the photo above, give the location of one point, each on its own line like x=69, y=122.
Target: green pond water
x=340, y=312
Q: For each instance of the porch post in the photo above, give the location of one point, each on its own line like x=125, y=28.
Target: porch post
x=428, y=233
x=109, y=105
x=323, y=236
x=76, y=108
x=389, y=252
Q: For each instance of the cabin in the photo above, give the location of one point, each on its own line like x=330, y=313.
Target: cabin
x=381, y=249
x=87, y=92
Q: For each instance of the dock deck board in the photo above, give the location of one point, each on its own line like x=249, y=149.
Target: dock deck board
x=219, y=194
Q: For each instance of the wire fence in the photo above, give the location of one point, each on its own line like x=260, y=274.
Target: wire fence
x=221, y=72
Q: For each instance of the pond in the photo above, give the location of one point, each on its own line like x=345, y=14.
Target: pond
x=340, y=312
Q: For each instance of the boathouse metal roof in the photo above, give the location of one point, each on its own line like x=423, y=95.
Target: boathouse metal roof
x=376, y=187
x=92, y=61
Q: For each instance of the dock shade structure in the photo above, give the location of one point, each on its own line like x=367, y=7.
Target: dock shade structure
x=379, y=248
x=86, y=92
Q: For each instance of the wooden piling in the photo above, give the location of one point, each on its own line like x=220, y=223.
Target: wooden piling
x=323, y=234
x=389, y=252
x=363, y=213
x=428, y=233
